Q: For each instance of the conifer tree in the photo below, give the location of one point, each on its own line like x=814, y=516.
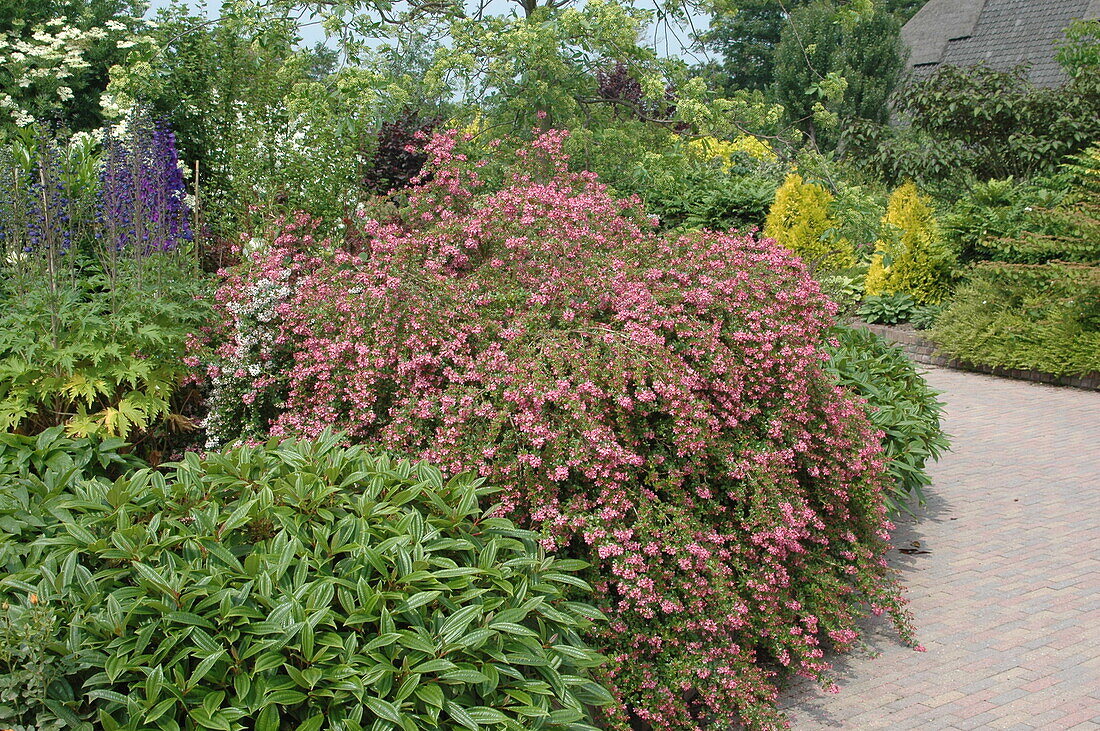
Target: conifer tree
x=799, y=219
x=911, y=257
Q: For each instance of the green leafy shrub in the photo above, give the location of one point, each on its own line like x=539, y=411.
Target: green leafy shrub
x=47, y=464
x=1056, y=220
x=297, y=585
x=894, y=154
x=32, y=687
x=1035, y=306
x=715, y=201
x=887, y=309
x=1044, y=317
x=990, y=210
x=53, y=451
x=899, y=402
x=687, y=184
x=845, y=288
x=1079, y=52
x=858, y=211
x=1065, y=227
x=31, y=679
x=925, y=316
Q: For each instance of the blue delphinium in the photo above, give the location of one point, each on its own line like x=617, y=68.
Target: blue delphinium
x=36, y=206
x=137, y=206
x=143, y=205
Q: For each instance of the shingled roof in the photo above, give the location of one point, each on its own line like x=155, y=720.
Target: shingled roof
x=1000, y=34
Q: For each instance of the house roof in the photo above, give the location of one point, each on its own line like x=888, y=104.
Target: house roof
x=1000, y=34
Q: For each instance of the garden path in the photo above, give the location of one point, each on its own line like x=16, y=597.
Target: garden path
x=1006, y=591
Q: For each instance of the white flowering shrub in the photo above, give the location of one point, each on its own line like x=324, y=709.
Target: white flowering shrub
x=53, y=69
x=232, y=400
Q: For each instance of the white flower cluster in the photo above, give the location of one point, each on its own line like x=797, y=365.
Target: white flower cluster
x=41, y=67
x=231, y=388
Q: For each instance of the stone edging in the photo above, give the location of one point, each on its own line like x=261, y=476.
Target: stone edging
x=923, y=350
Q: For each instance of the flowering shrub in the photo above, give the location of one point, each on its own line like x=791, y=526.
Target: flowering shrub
x=54, y=65
x=654, y=405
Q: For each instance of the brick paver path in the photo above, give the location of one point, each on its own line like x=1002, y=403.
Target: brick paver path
x=1007, y=599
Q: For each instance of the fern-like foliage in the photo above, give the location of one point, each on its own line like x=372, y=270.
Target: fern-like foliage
x=99, y=286
x=1043, y=317
x=98, y=357
x=1068, y=230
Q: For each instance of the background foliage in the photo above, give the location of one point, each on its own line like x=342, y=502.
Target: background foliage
x=985, y=123
x=829, y=73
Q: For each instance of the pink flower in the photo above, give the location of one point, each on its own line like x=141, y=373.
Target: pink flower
x=654, y=405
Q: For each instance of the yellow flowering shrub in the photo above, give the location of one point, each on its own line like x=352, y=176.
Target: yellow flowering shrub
x=754, y=147
x=712, y=149
x=474, y=125
x=799, y=219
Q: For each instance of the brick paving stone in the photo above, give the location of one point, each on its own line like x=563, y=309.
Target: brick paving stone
x=1007, y=602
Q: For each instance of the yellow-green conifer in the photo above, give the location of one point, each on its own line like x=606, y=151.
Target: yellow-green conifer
x=911, y=258
x=799, y=219
x=875, y=282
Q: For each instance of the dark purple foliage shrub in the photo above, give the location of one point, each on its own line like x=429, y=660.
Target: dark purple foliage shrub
x=398, y=154
x=615, y=84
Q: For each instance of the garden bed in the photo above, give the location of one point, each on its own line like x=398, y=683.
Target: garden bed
x=923, y=350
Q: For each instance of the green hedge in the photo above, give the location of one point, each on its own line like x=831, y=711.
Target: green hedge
x=1036, y=317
